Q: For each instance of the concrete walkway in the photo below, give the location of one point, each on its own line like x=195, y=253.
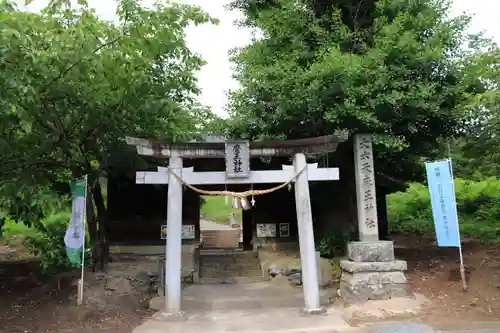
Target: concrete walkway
x=244, y=308
x=243, y=296
x=276, y=320
x=209, y=225
x=279, y=320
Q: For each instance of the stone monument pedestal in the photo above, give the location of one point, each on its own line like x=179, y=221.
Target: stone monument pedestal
x=372, y=273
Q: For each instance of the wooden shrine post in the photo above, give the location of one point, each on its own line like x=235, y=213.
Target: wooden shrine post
x=237, y=155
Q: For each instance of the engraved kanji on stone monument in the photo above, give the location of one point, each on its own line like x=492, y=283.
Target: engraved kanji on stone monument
x=365, y=187
x=237, y=159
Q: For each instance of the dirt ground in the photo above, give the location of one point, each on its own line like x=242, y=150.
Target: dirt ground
x=117, y=301
x=434, y=272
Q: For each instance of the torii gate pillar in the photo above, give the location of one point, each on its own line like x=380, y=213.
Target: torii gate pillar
x=174, y=241
x=306, y=237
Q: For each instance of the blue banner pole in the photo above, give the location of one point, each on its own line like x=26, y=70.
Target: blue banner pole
x=462, y=267
x=444, y=207
x=442, y=198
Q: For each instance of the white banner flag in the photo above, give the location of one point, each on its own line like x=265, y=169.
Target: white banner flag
x=74, y=239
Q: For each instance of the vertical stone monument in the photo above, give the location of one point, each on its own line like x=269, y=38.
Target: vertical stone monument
x=371, y=271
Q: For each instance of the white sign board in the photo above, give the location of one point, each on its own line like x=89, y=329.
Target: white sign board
x=237, y=159
x=188, y=231
x=265, y=230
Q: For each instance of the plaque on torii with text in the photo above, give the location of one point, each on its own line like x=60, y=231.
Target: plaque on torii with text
x=237, y=159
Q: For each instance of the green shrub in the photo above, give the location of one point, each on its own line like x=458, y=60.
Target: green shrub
x=11, y=229
x=333, y=245
x=43, y=238
x=478, y=205
x=48, y=242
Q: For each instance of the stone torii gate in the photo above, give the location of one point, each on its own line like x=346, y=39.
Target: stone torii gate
x=237, y=155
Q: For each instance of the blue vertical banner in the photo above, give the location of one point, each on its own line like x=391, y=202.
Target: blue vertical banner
x=444, y=208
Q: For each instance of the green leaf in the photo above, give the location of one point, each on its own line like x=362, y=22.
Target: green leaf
x=397, y=69
x=74, y=86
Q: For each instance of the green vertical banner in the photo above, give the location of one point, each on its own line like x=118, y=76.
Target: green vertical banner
x=74, y=239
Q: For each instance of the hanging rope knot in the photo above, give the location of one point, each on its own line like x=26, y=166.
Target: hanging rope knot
x=238, y=195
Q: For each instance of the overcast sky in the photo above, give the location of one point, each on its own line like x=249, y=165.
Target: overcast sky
x=214, y=42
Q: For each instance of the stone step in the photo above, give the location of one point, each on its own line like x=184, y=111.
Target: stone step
x=230, y=272
x=229, y=261
x=241, y=263
x=217, y=252
x=221, y=238
x=228, y=268
x=225, y=266
x=207, y=269
x=230, y=258
x=233, y=279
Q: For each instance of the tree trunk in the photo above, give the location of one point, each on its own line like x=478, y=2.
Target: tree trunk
x=383, y=222
x=90, y=215
x=353, y=214
x=102, y=221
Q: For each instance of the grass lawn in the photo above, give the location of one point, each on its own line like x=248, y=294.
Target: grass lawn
x=12, y=237
x=11, y=228
x=216, y=210
x=18, y=230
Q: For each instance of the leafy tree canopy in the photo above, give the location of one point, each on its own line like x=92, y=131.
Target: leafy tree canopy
x=477, y=152
x=395, y=68
x=73, y=86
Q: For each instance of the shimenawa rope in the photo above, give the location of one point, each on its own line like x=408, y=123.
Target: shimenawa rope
x=237, y=194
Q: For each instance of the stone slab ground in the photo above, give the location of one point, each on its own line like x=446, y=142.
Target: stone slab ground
x=475, y=331
x=284, y=320
x=411, y=327
x=240, y=296
x=248, y=321
x=244, y=308
x=401, y=328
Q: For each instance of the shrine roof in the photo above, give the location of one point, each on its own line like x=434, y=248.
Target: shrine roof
x=214, y=146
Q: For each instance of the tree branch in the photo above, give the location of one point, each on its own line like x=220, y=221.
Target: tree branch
x=67, y=69
x=392, y=179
